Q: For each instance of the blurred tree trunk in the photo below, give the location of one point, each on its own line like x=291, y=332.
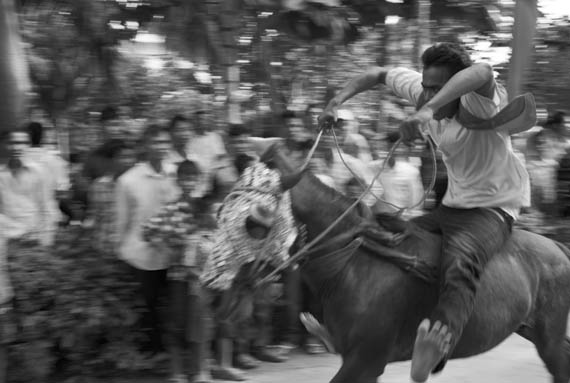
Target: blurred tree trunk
x=230, y=25
x=522, y=45
x=423, y=36
x=13, y=69
x=276, y=104
x=207, y=32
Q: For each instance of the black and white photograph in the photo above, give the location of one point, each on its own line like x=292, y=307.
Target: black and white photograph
x=284, y=191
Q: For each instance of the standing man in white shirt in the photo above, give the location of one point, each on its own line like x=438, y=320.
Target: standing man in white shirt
x=24, y=192
x=55, y=170
x=464, y=110
x=140, y=194
x=10, y=228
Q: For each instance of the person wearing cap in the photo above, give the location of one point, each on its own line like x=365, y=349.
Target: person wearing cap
x=467, y=113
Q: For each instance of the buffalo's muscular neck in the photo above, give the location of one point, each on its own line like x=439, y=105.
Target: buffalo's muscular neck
x=318, y=206
x=315, y=204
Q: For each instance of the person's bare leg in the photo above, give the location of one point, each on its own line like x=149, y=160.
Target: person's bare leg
x=225, y=354
x=202, y=354
x=429, y=349
x=176, y=362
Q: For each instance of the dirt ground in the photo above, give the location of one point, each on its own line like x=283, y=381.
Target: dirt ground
x=514, y=361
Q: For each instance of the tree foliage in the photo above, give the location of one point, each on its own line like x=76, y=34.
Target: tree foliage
x=548, y=76
x=75, y=309
x=69, y=50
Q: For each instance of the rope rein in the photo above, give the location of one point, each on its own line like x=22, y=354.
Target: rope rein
x=399, y=209
x=294, y=258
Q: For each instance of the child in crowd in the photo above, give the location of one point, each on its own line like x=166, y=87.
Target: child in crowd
x=182, y=227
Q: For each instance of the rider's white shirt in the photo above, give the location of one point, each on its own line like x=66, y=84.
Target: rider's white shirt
x=483, y=169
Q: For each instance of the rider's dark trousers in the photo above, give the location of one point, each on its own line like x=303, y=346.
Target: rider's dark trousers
x=470, y=238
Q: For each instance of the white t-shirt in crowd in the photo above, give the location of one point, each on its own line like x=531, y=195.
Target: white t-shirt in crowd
x=402, y=187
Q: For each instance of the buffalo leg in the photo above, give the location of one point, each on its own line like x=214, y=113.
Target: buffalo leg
x=356, y=369
x=553, y=346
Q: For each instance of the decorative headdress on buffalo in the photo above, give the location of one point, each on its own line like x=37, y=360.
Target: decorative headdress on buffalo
x=257, y=194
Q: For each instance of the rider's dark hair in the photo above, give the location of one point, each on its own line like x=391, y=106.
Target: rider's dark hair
x=449, y=55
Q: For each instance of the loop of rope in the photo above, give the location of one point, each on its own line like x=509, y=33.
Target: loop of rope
x=319, y=237
x=294, y=258
x=399, y=209
x=360, y=181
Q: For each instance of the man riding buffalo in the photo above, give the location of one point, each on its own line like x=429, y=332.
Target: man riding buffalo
x=461, y=107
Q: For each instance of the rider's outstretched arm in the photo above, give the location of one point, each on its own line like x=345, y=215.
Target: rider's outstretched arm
x=476, y=78
x=364, y=81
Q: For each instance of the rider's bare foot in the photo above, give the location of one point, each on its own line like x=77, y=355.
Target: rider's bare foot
x=430, y=348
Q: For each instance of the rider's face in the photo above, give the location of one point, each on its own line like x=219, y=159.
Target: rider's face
x=434, y=78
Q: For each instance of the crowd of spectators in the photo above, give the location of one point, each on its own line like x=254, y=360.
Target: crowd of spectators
x=152, y=203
